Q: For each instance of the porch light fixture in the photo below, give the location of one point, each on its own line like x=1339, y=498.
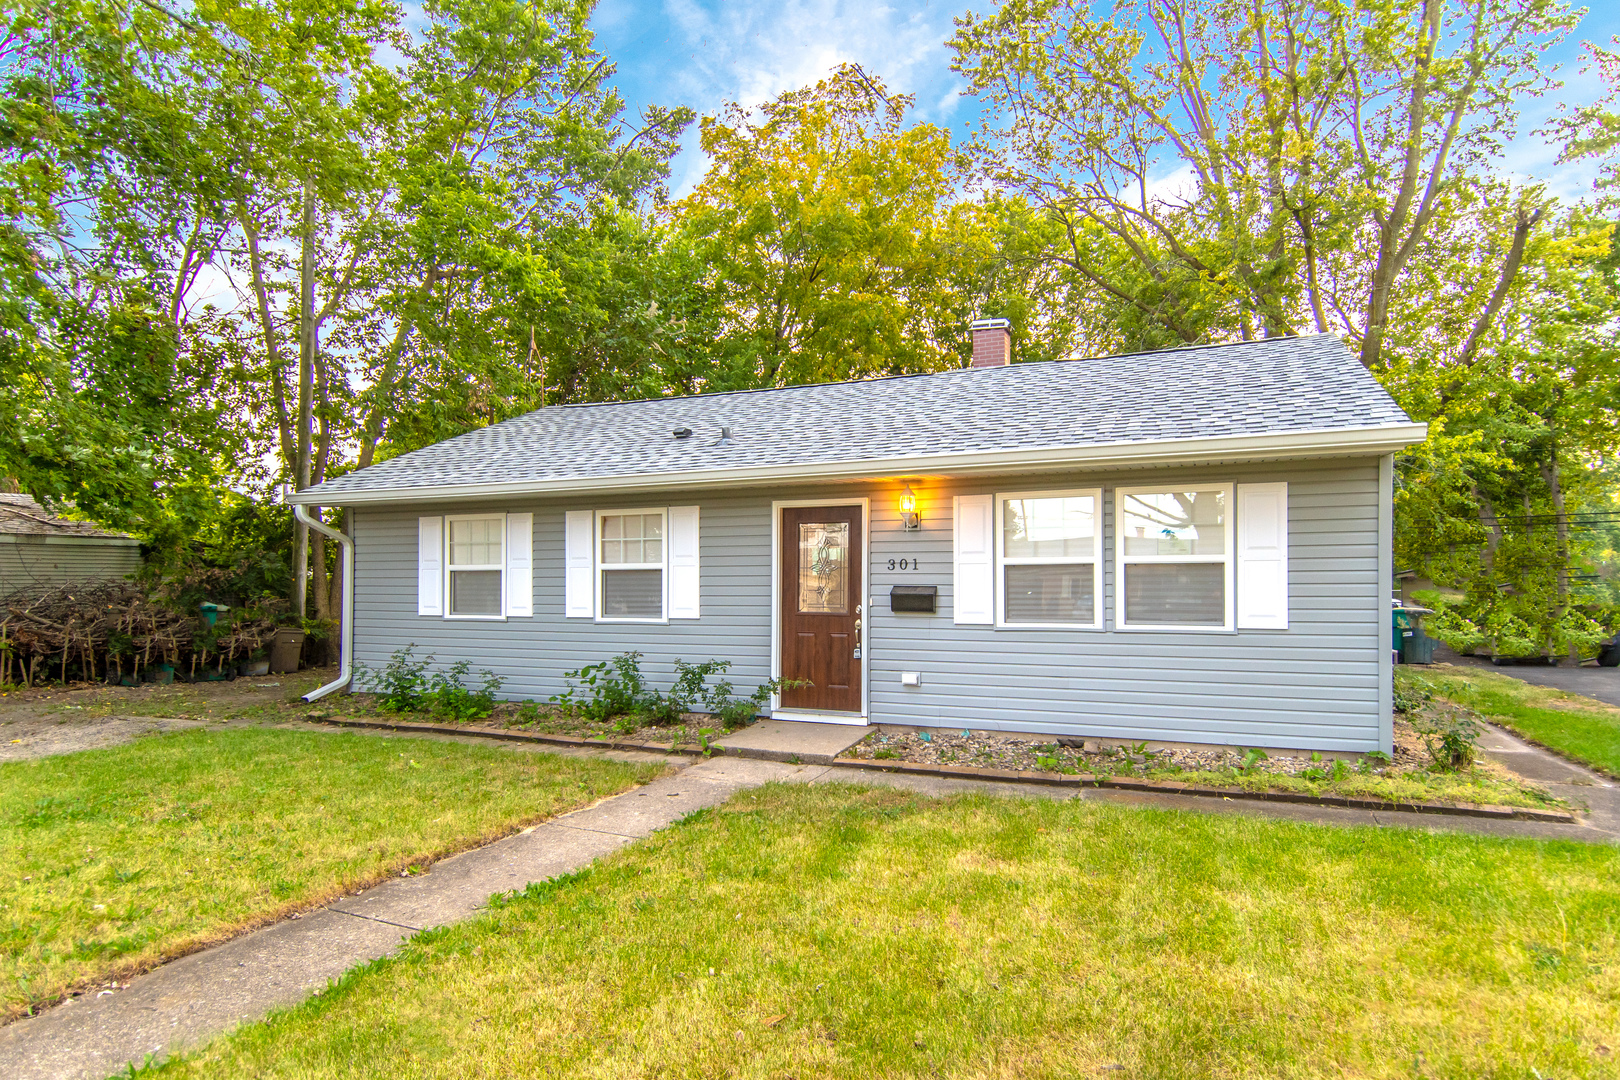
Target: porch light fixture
x=908, y=509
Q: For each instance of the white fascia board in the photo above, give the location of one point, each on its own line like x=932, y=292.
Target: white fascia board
x=1336, y=442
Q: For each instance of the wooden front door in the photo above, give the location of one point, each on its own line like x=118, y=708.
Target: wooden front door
x=822, y=594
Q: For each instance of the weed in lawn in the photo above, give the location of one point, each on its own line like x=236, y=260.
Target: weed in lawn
x=839, y=928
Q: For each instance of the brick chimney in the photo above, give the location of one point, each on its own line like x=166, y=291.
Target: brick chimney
x=992, y=343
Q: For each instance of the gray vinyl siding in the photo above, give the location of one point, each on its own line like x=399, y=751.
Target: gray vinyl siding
x=29, y=561
x=1317, y=685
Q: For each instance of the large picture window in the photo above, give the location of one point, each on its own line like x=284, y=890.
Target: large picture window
x=476, y=564
x=1173, y=549
x=1048, y=548
x=631, y=558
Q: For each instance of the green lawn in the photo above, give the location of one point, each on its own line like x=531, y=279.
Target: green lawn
x=1576, y=726
x=842, y=932
x=116, y=859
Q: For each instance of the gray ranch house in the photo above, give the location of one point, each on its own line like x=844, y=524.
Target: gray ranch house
x=1185, y=546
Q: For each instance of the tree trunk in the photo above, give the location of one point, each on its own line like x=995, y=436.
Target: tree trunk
x=306, y=394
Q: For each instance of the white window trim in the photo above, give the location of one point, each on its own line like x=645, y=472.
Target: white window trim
x=597, y=566
x=1002, y=562
x=449, y=570
x=1122, y=560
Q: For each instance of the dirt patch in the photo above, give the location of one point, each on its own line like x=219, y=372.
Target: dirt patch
x=82, y=716
x=36, y=737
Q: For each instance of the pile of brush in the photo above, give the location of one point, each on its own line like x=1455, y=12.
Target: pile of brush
x=118, y=631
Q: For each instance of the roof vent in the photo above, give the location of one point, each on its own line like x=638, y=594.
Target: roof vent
x=992, y=343
x=682, y=433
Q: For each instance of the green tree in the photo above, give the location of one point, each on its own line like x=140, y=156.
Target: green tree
x=1226, y=166
x=825, y=223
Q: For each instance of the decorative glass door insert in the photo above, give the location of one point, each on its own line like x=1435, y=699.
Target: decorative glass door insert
x=824, y=568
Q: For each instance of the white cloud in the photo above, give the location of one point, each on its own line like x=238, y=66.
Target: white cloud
x=721, y=52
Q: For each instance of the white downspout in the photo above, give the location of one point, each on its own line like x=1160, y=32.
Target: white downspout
x=346, y=645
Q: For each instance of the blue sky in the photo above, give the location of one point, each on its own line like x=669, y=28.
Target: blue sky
x=703, y=53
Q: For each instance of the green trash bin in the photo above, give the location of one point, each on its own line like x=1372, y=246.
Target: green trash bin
x=1417, y=647
x=1400, y=625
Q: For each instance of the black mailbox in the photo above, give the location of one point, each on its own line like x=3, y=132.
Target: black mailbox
x=914, y=598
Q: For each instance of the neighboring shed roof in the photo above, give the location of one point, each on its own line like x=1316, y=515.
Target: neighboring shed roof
x=1282, y=396
x=20, y=515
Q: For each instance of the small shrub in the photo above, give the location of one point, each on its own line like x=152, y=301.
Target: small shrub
x=401, y=684
x=448, y=696
x=606, y=690
x=406, y=685
x=688, y=692
x=1452, y=740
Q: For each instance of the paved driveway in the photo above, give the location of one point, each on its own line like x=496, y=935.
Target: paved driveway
x=1602, y=683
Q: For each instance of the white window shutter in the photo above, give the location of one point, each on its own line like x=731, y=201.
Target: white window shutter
x=430, y=566
x=683, y=562
x=579, y=577
x=1262, y=551
x=975, y=562
x=519, y=564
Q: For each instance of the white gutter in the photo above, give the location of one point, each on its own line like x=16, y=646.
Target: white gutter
x=346, y=645
x=1336, y=442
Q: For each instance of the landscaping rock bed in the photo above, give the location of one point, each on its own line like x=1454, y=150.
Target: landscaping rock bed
x=997, y=750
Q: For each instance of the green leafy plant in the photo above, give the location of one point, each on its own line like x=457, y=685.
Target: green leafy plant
x=687, y=693
x=400, y=685
x=1371, y=760
x=1410, y=699
x=1452, y=740
x=1252, y=759
x=602, y=691
x=408, y=685
x=448, y=696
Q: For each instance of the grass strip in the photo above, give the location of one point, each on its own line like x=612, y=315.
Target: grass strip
x=119, y=858
x=836, y=931
x=1578, y=727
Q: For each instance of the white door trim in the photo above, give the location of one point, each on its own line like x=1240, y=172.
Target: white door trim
x=864, y=600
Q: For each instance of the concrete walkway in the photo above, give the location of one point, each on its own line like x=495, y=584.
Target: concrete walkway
x=200, y=996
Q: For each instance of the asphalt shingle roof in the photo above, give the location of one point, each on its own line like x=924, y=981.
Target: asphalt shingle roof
x=20, y=515
x=1252, y=388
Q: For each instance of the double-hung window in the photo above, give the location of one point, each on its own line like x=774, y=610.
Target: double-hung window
x=1048, y=559
x=475, y=566
x=1173, y=549
x=630, y=565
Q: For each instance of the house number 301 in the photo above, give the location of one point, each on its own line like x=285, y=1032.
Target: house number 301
x=905, y=564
